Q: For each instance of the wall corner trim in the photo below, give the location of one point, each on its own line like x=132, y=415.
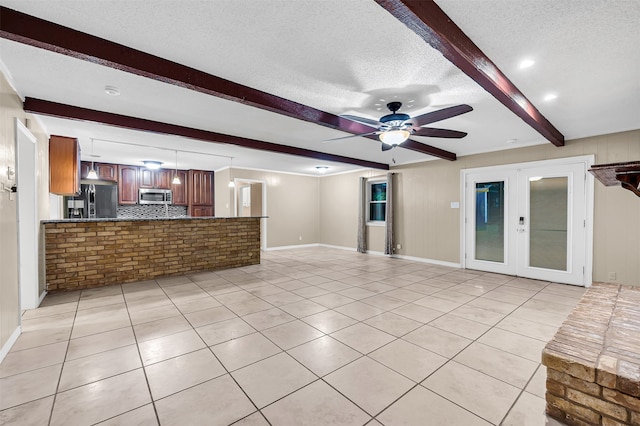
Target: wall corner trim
x=10, y=342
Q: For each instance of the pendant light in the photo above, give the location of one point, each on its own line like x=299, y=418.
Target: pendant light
x=232, y=184
x=176, y=178
x=92, y=173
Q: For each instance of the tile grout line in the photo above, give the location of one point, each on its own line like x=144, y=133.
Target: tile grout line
x=66, y=353
x=144, y=371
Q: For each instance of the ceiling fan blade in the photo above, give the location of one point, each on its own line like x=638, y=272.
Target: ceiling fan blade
x=367, y=121
x=441, y=114
x=351, y=136
x=439, y=133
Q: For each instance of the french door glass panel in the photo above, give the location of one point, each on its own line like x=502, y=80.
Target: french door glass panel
x=490, y=221
x=549, y=216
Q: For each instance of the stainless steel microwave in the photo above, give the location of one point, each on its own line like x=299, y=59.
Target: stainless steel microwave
x=155, y=196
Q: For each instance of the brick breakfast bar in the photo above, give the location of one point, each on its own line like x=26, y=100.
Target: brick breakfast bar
x=89, y=253
x=593, y=361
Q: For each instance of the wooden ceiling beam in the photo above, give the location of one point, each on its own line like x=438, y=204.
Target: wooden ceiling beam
x=54, y=109
x=37, y=32
x=429, y=22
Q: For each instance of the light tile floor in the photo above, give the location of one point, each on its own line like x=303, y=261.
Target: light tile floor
x=309, y=337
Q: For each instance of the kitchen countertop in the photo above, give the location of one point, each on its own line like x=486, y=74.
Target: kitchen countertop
x=137, y=219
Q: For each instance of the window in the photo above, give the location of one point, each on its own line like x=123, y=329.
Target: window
x=377, y=200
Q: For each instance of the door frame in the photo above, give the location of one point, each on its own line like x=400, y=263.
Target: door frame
x=28, y=256
x=586, y=160
x=263, y=222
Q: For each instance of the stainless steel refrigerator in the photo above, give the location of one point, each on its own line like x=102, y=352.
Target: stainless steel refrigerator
x=100, y=201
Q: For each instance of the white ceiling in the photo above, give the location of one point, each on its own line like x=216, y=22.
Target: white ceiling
x=338, y=56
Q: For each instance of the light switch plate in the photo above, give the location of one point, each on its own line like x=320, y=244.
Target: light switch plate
x=455, y=204
x=11, y=173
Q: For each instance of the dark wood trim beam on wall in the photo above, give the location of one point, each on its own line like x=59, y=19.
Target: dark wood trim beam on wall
x=47, y=35
x=54, y=109
x=429, y=22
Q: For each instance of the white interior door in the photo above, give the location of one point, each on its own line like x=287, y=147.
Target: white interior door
x=551, y=226
x=27, y=217
x=528, y=220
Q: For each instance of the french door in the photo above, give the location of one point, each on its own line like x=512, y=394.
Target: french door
x=528, y=220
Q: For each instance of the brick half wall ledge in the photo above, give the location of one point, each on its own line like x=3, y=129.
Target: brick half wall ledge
x=89, y=254
x=593, y=361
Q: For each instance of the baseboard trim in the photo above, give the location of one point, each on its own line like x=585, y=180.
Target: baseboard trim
x=375, y=253
x=12, y=340
x=337, y=247
x=430, y=261
x=42, y=296
x=291, y=247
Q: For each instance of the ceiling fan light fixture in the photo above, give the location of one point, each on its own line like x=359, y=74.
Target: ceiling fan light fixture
x=152, y=165
x=394, y=137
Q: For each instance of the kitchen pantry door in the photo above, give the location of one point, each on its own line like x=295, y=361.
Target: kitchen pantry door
x=530, y=220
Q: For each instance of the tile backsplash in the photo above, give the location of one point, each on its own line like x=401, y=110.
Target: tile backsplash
x=150, y=211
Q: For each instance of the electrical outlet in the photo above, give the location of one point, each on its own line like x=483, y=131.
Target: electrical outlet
x=399, y=246
x=300, y=238
x=612, y=276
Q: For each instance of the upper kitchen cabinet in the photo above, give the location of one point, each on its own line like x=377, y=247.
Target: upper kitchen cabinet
x=200, y=192
x=180, y=191
x=105, y=171
x=155, y=179
x=127, y=184
x=163, y=178
x=64, y=166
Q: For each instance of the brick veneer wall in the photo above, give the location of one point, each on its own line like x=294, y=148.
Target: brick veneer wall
x=86, y=254
x=593, y=361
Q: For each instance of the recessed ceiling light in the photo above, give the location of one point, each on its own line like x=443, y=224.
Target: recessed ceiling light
x=322, y=169
x=111, y=91
x=550, y=97
x=526, y=63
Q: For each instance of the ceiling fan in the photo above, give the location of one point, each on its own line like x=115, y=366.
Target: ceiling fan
x=395, y=128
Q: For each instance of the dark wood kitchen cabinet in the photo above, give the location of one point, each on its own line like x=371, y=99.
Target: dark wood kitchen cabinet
x=180, y=192
x=201, y=211
x=154, y=179
x=163, y=179
x=85, y=166
x=105, y=171
x=127, y=184
x=200, y=193
x=64, y=165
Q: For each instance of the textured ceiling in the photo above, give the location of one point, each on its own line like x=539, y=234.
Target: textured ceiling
x=342, y=57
